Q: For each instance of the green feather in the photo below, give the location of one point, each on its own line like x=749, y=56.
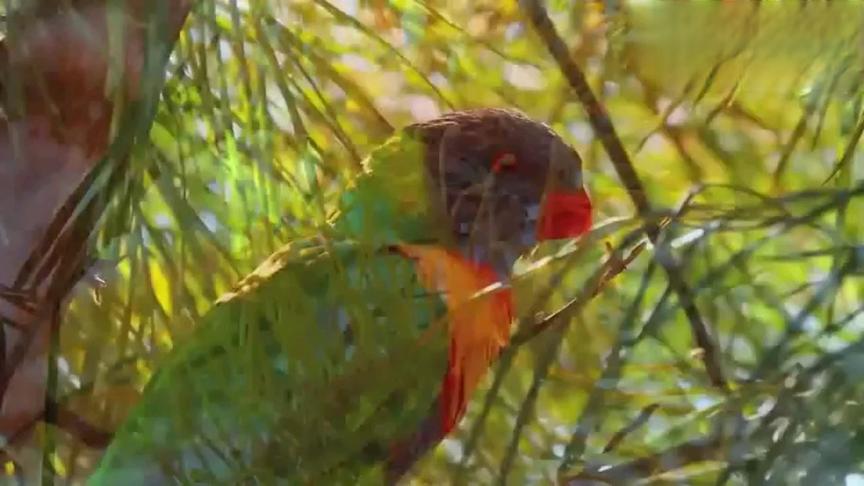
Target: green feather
x=390, y=201
x=318, y=360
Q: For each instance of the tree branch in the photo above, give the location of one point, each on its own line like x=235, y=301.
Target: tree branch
x=602, y=125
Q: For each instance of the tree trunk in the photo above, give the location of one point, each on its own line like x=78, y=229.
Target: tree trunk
x=68, y=69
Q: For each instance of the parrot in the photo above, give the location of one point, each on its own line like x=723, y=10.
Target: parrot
x=350, y=353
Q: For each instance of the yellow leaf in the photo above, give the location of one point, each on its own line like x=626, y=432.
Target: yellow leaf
x=161, y=288
x=58, y=465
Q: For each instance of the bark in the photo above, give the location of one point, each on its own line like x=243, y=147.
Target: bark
x=67, y=70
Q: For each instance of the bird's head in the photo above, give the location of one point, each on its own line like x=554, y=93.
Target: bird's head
x=505, y=182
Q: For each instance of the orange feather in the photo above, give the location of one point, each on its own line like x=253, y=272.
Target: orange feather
x=479, y=325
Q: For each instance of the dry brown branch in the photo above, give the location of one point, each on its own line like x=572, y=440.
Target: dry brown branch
x=69, y=421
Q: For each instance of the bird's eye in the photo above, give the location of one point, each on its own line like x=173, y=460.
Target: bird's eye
x=503, y=161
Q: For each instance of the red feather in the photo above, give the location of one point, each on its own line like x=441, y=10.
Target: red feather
x=564, y=215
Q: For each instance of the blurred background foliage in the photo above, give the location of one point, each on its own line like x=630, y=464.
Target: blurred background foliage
x=743, y=121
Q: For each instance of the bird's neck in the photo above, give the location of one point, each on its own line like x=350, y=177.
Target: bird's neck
x=391, y=202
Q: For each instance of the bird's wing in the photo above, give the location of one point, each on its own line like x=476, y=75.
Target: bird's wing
x=315, y=362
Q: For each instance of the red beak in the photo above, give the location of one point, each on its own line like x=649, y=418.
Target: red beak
x=565, y=214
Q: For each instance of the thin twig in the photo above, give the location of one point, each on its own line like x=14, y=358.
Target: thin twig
x=638, y=422
x=789, y=147
x=505, y=363
x=526, y=410
x=64, y=418
x=849, y=152
x=827, y=289
x=692, y=452
x=610, y=269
